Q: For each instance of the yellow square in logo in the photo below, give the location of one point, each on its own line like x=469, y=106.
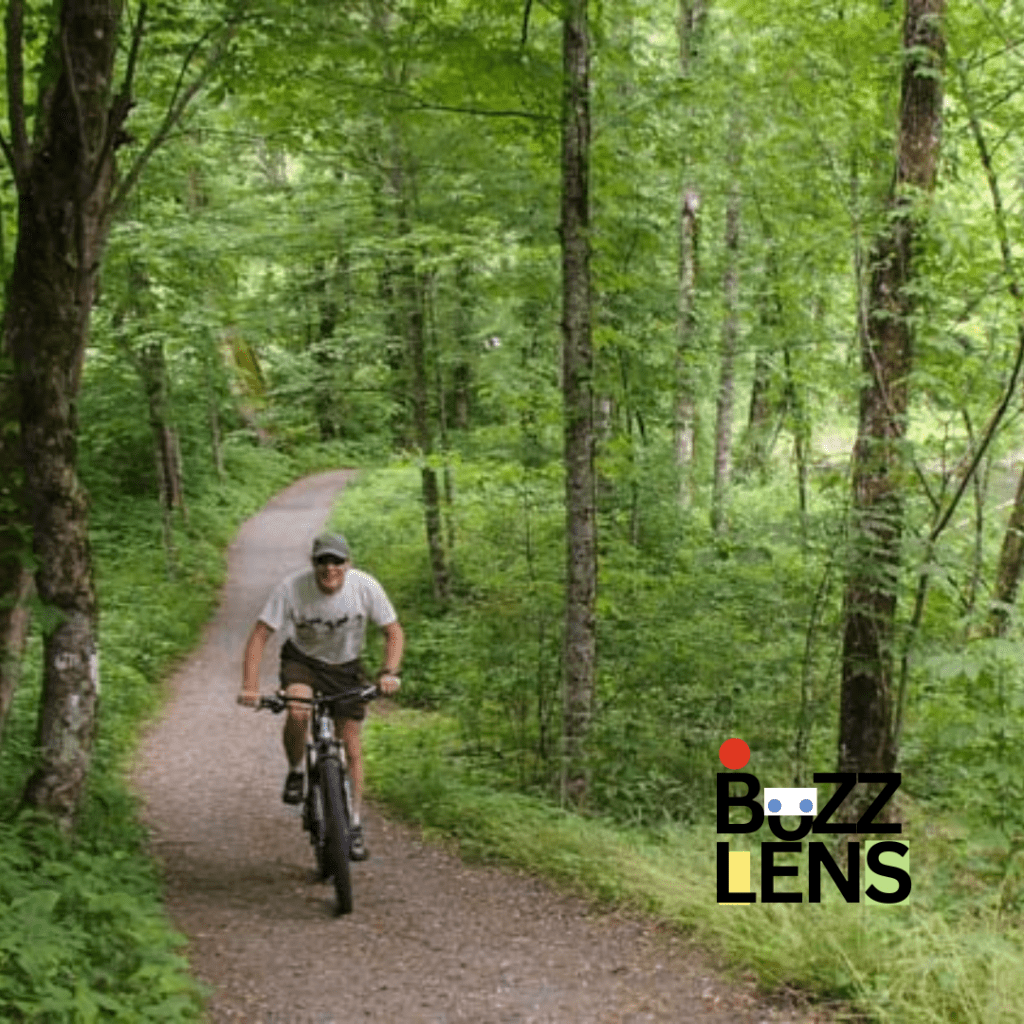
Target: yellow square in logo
x=739, y=875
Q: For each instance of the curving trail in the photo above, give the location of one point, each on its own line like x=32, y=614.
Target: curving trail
x=431, y=940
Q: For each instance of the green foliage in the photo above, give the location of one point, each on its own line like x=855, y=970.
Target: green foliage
x=83, y=934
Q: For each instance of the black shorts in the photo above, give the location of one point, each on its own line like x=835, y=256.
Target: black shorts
x=323, y=678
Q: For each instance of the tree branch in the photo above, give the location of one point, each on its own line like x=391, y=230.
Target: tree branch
x=123, y=103
x=526, y=25
x=175, y=110
x=19, y=151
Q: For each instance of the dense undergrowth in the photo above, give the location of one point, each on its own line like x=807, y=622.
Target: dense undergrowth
x=699, y=640
x=83, y=932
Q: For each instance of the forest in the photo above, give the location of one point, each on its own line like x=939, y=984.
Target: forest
x=679, y=344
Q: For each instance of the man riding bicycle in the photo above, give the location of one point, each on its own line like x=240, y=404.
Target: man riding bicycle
x=325, y=610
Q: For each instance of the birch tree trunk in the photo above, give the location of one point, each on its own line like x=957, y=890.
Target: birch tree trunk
x=578, y=400
x=866, y=738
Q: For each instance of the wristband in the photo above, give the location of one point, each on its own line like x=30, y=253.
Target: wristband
x=393, y=672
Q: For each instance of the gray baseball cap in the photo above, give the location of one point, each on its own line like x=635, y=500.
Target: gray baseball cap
x=331, y=544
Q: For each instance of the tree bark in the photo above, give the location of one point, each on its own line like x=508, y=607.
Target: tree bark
x=866, y=737
x=64, y=183
x=578, y=401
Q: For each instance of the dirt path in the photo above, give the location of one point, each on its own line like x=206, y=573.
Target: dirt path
x=431, y=940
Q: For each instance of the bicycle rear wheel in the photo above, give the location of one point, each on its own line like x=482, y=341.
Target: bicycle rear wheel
x=337, y=833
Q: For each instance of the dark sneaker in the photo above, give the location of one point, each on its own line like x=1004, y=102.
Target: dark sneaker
x=356, y=847
x=293, y=788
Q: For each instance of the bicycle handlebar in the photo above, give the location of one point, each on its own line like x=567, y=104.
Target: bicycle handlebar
x=277, y=702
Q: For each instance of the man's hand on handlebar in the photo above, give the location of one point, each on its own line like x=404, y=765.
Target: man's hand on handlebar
x=249, y=698
x=388, y=682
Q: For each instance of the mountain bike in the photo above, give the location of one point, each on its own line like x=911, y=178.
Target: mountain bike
x=327, y=806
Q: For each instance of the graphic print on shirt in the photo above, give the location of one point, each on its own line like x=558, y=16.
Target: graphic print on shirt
x=313, y=630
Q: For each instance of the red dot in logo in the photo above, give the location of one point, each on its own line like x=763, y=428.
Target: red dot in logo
x=734, y=753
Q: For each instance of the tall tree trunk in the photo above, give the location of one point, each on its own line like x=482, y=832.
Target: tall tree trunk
x=866, y=738
x=690, y=27
x=578, y=401
x=730, y=329
x=409, y=292
x=64, y=183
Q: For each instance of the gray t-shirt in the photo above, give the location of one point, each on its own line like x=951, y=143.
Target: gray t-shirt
x=328, y=627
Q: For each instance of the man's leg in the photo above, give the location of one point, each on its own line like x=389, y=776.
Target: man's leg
x=296, y=726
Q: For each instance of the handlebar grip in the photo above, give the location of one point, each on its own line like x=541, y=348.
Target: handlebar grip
x=275, y=702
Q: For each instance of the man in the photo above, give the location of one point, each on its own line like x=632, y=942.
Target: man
x=325, y=610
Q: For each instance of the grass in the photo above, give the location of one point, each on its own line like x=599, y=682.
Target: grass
x=897, y=965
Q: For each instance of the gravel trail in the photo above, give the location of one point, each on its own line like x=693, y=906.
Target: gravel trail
x=431, y=939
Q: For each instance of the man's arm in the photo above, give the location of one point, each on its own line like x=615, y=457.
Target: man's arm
x=394, y=644
x=251, y=665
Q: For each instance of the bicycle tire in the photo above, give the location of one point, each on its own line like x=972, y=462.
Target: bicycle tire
x=316, y=825
x=337, y=833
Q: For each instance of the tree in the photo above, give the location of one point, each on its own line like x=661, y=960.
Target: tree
x=68, y=194
x=578, y=399
x=866, y=736
x=690, y=28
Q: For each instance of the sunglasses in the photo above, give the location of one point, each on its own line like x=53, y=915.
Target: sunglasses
x=329, y=560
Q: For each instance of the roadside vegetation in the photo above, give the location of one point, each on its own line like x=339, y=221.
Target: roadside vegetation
x=84, y=935
x=695, y=648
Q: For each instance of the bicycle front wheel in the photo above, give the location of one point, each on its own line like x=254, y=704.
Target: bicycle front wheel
x=316, y=825
x=337, y=833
